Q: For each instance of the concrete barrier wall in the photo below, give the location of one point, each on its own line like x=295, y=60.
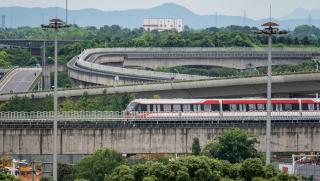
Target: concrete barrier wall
x=147, y=140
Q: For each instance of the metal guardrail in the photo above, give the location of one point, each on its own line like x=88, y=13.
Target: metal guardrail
x=203, y=49
x=156, y=116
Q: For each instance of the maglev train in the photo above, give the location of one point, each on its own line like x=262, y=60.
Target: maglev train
x=295, y=106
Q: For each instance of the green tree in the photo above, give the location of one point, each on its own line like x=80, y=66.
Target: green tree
x=4, y=59
x=121, y=173
x=196, y=150
x=6, y=177
x=252, y=167
x=85, y=103
x=101, y=163
x=199, y=168
x=233, y=145
x=68, y=105
x=120, y=101
x=66, y=172
x=103, y=101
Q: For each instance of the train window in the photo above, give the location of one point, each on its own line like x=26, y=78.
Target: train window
x=295, y=107
x=274, y=106
x=167, y=107
x=186, y=107
x=252, y=107
x=287, y=107
x=148, y=107
x=226, y=107
x=260, y=107
x=240, y=107
x=176, y=107
x=304, y=106
x=156, y=107
x=215, y=107
x=311, y=107
x=207, y=107
x=197, y=107
x=142, y=107
x=233, y=107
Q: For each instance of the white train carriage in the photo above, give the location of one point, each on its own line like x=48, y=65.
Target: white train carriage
x=148, y=108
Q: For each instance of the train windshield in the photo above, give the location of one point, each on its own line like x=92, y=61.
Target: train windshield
x=131, y=106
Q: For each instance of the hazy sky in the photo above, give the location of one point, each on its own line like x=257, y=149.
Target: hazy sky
x=254, y=8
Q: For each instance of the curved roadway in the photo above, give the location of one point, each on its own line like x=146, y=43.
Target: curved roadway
x=19, y=80
x=109, y=66
x=86, y=64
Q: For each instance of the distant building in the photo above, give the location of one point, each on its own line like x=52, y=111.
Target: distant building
x=162, y=24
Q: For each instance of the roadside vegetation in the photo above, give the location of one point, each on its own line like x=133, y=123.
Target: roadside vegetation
x=105, y=102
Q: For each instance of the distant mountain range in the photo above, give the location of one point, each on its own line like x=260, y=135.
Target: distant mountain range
x=34, y=17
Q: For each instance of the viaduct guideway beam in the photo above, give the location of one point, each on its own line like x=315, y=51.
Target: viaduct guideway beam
x=87, y=67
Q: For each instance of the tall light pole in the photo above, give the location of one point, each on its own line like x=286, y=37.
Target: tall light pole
x=269, y=30
x=66, y=11
x=55, y=24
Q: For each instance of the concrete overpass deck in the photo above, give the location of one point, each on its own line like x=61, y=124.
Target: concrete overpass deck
x=19, y=80
x=302, y=83
x=111, y=66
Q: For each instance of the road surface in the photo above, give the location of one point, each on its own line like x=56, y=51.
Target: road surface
x=19, y=80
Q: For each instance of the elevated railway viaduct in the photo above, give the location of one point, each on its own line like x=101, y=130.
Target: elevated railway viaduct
x=30, y=135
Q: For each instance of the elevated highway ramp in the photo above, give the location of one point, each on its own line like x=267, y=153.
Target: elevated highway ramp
x=19, y=80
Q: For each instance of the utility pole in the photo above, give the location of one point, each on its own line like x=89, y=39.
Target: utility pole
x=55, y=24
x=44, y=72
x=270, y=30
x=66, y=11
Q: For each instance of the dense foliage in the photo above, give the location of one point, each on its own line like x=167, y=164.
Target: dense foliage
x=94, y=167
x=233, y=145
x=196, y=149
x=115, y=36
x=116, y=102
x=109, y=166
x=6, y=177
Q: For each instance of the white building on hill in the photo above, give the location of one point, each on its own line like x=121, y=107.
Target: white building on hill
x=162, y=24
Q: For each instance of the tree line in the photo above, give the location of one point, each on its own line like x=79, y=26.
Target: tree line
x=104, y=102
x=115, y=36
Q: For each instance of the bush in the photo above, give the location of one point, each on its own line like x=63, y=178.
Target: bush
x=7, y=177
x=233, y=145
x=121, y=173
x=103, y=161
x=252, y=167
x=196, y=150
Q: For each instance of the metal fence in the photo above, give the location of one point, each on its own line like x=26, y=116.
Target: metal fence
x=292, y=116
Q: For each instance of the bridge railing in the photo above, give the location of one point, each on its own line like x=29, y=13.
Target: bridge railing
x=154, y=116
